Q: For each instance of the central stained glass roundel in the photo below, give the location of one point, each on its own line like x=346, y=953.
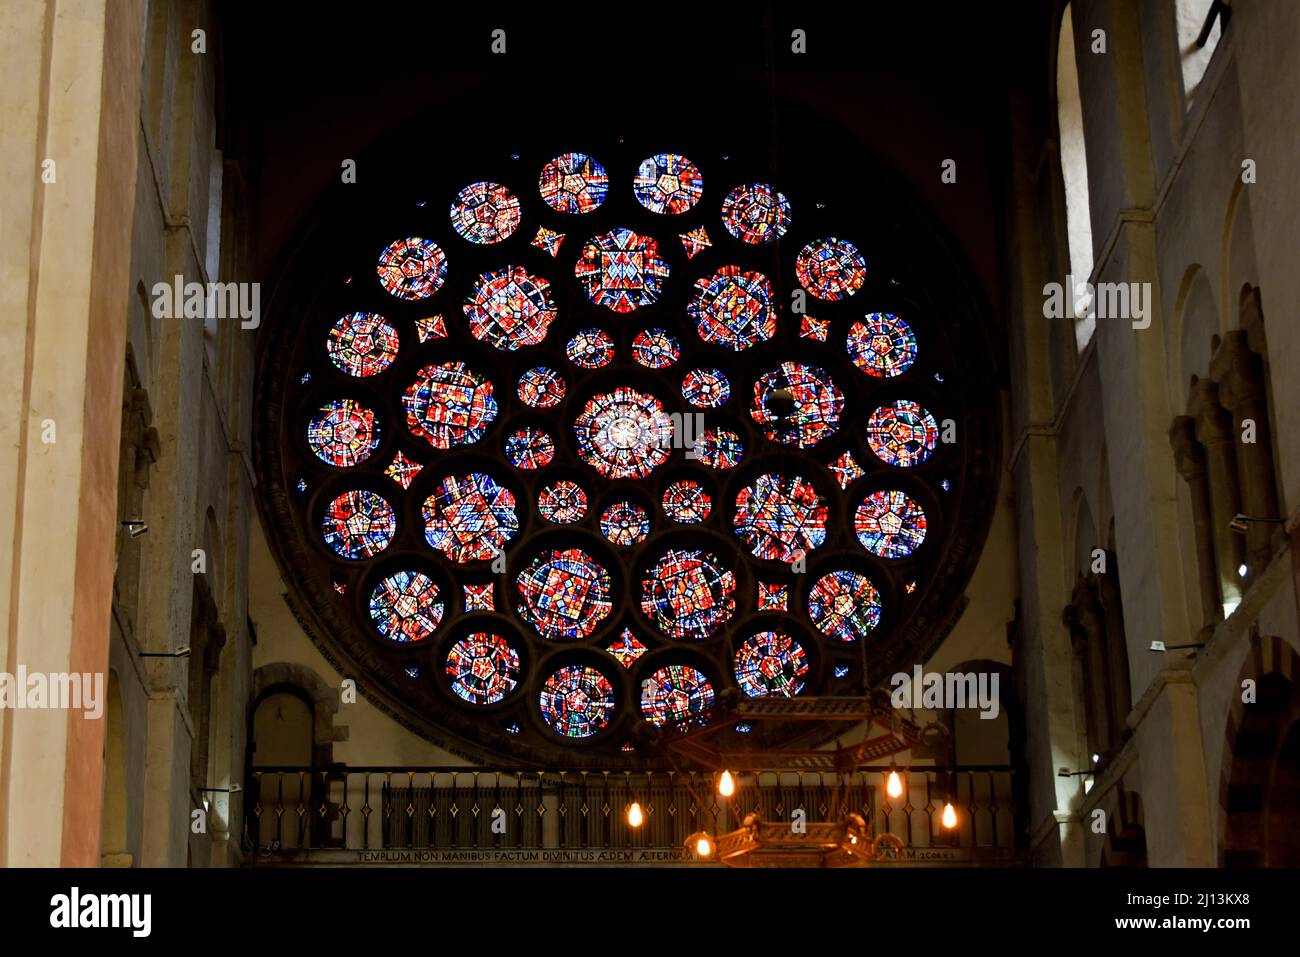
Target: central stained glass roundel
x=600, y=438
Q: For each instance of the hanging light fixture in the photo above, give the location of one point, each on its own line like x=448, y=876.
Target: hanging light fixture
x=700, y=844
x=949, y=816
x=894, y=784
x=726, y=784
x=635, y=818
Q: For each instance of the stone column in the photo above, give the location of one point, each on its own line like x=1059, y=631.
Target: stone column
x=1092, y=620
x=1190, y=457
x=1079, y=643
x=1242, y=391
x=1214, y=429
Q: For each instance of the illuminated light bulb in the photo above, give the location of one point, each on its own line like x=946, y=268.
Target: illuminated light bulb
x=1242, y=570
x=704, y=847
x=634, y=816
x=894, y=785
x=726, y=784
x=949, y=816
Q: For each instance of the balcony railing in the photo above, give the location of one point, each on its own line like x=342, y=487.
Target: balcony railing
x=299, y=815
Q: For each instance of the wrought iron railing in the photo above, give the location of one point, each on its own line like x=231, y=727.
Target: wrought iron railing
x=468, y=815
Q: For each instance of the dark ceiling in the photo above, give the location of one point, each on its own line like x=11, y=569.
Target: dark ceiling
x=916, y=83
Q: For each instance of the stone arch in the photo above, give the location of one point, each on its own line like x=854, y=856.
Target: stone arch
x=1083, y=536
x=321, y=696
x=1197, y=330
x=1260, y=740
x=1237, y=266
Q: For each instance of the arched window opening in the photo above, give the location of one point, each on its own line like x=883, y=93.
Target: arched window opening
x=1195, y=45
x=1074, y=173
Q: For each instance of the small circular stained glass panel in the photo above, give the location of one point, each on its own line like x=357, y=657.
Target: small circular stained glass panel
x=564, y=593
x=621, y=270
x=510, y=309
x=577, y=701
x=687, y=502
x=655, y=349
x=624, y=433
x=780, y=518
x=844, y=605
x=469, y=518
x=797, y=404
x=343, y=433
x=541, y=387
x=625, y=523
x=676, y=695
x=412, y=268
x=359, y=524
x=756, y=213
x=688, y=593
x=733, y=308
x=831, y=269
x=573, y=183
x=890, y=524
x=530, y=448
x=718, y=448
x=562, y=502
x=882, y=345
x=706, y=388
x=590, y=349
x=362, y=344
x=449, y=404
x=668, y=183
x=405, y=606
x=902, y=434
x=485, y=213
x=770, y=665
x=483, y=668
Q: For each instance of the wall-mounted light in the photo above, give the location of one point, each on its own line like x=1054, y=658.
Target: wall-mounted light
x=181, y=652
x=1161, y=646
x=135, y=527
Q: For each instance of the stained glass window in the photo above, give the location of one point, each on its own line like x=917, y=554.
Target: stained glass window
x=773, y=596
x=480, y=596
x=780, y=518
x=541, y=387
x=564, y=593
x=686, y=502
x=402, y=470
x=430, y=327
x=577, y=701
x=470, y=517
x=343, y=433
x=590, y=349
x=831, y=269
x=844, y=605
x=449, y=404
x=677, y=695
x=668, y=183
x=816, y=329
x=846, y=469
x=530, y=448
x=797, y=404
x=902, y=433
x=359, y=524
x=362, y=344
x=562, y=502
x=548, y=240
x=655, y=349
x=883, y=346
x=573, y=183
x=718, y=448
x=756, y=213
x=688, y=593
x=412, y=268
x=770, y=664
x=695, y=241
x=485, y=213
x=706, y=388
x=624, y=433
x=622, y=270
x=625, y=523
x=483, y=668
x=509, y=308
x=733, y=308
x=627, y=649
x=890, y=524
x=405, y=606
